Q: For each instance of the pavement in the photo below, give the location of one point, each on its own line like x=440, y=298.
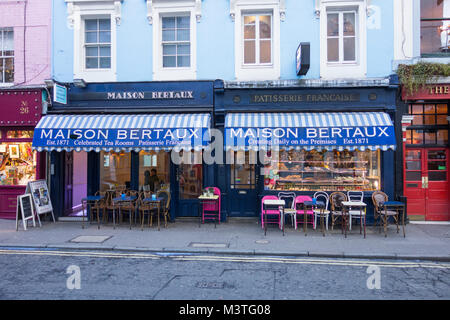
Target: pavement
x=241, y=236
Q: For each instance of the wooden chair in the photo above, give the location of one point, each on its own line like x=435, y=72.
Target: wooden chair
x=99, y=205
x=165, y=205
x=109, y=205
x=336, y=199
x=128, y=206
x=378, y=198
x=145, y=208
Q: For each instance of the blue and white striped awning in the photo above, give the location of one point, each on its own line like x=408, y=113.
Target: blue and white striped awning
x=122, y=132
x=329, y=131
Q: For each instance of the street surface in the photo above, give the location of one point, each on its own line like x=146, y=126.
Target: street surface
x=58, y=274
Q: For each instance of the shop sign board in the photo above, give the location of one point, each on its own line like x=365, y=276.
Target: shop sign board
x=311, y=136
x=41, y=197
x=429, y=92
x=60, y=94
x=120, y=138
x=24, y=211
x=20, y=107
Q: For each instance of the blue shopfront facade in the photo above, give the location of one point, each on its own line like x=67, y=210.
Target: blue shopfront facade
x=330, y=137
x=123, y=130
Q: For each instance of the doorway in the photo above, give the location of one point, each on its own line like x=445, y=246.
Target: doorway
x=426, y=183
x=243, y=184
x=75, y=182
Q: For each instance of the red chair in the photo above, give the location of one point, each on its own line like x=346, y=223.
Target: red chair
x=270, y=213
x=211, y=209
x=301, y=212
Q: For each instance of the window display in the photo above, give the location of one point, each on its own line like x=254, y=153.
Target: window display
x=150, y=161
x=323, y=171
x=17, y=163
x=115, y=170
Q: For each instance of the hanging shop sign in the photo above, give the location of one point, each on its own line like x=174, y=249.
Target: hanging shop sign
x=302, y=58
x=20, y=107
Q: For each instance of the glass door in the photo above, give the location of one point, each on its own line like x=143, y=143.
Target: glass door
x=426, y=183
x=243, y=184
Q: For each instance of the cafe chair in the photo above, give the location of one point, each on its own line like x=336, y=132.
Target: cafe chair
x=145, y=208
x=99, y=205
x=356, y=214
x=300, y=212
x=272, y=216
x=109, y=205
x=378, y=198
x=165, y=205
x=289, y=207
x=128, y=207
x=210, y=209
x=336, y=199
x=321, y=196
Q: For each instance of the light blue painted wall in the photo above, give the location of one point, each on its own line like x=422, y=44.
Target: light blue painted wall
x=215, y=41
x=62, y=46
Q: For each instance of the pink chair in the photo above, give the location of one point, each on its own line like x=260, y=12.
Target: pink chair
x=211, y=209
x=301, y=212
x=270, y=212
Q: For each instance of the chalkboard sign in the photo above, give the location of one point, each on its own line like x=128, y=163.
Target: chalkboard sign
x=24, y=210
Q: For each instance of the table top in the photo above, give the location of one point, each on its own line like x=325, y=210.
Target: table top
x=354, y=203
x=275, y=202
x=150, y=199
x=214, y=197
x=128, y=198
x=392, y=203
x=318, y=203
x=93, y=198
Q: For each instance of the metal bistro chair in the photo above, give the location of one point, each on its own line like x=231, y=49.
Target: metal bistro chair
x=336, y=199
x=300, y=212
x=270, y=213
x=322, y=196
x=99, y=205
x=211, y=210
x=144, y=208
x=378, y=198
x=356, y=214
x=289, y=207
x=109, y=205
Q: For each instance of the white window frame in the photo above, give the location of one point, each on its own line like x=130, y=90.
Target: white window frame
x=98, y=45
x=79, y=11
x=173, y=9
x=258, y=40
x=266, y=71
x=3, y=29
x=343, y=69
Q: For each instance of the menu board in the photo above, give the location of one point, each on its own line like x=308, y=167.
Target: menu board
x=41, y=197
x=24, y=210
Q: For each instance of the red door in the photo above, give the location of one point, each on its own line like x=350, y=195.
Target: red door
x=426, y=183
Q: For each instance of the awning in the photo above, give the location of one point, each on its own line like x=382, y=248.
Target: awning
x=122, y=132
x=330, y=131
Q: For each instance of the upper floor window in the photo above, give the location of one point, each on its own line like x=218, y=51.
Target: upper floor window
x=176, y=42
x=429, y=125
x=257, y=37
x=97, y=43
x=341, y=36
x=343, y=42
x=435, y=27
x=6, y=55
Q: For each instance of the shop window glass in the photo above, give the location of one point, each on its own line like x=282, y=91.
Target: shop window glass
x=115, y=170
x=323, y=171
x=190, y=176
x=437, y=176
x=430, y=137
x=20, y=134
x=151, y=160
x=434, y=27
x=442, y=137
x=242, y=169
x=417, y=136
x=17, y=163
x=413, y=155
x=413, y=175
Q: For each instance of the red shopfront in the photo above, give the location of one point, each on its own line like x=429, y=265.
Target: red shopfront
x=426, y=153
x=20, y=112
